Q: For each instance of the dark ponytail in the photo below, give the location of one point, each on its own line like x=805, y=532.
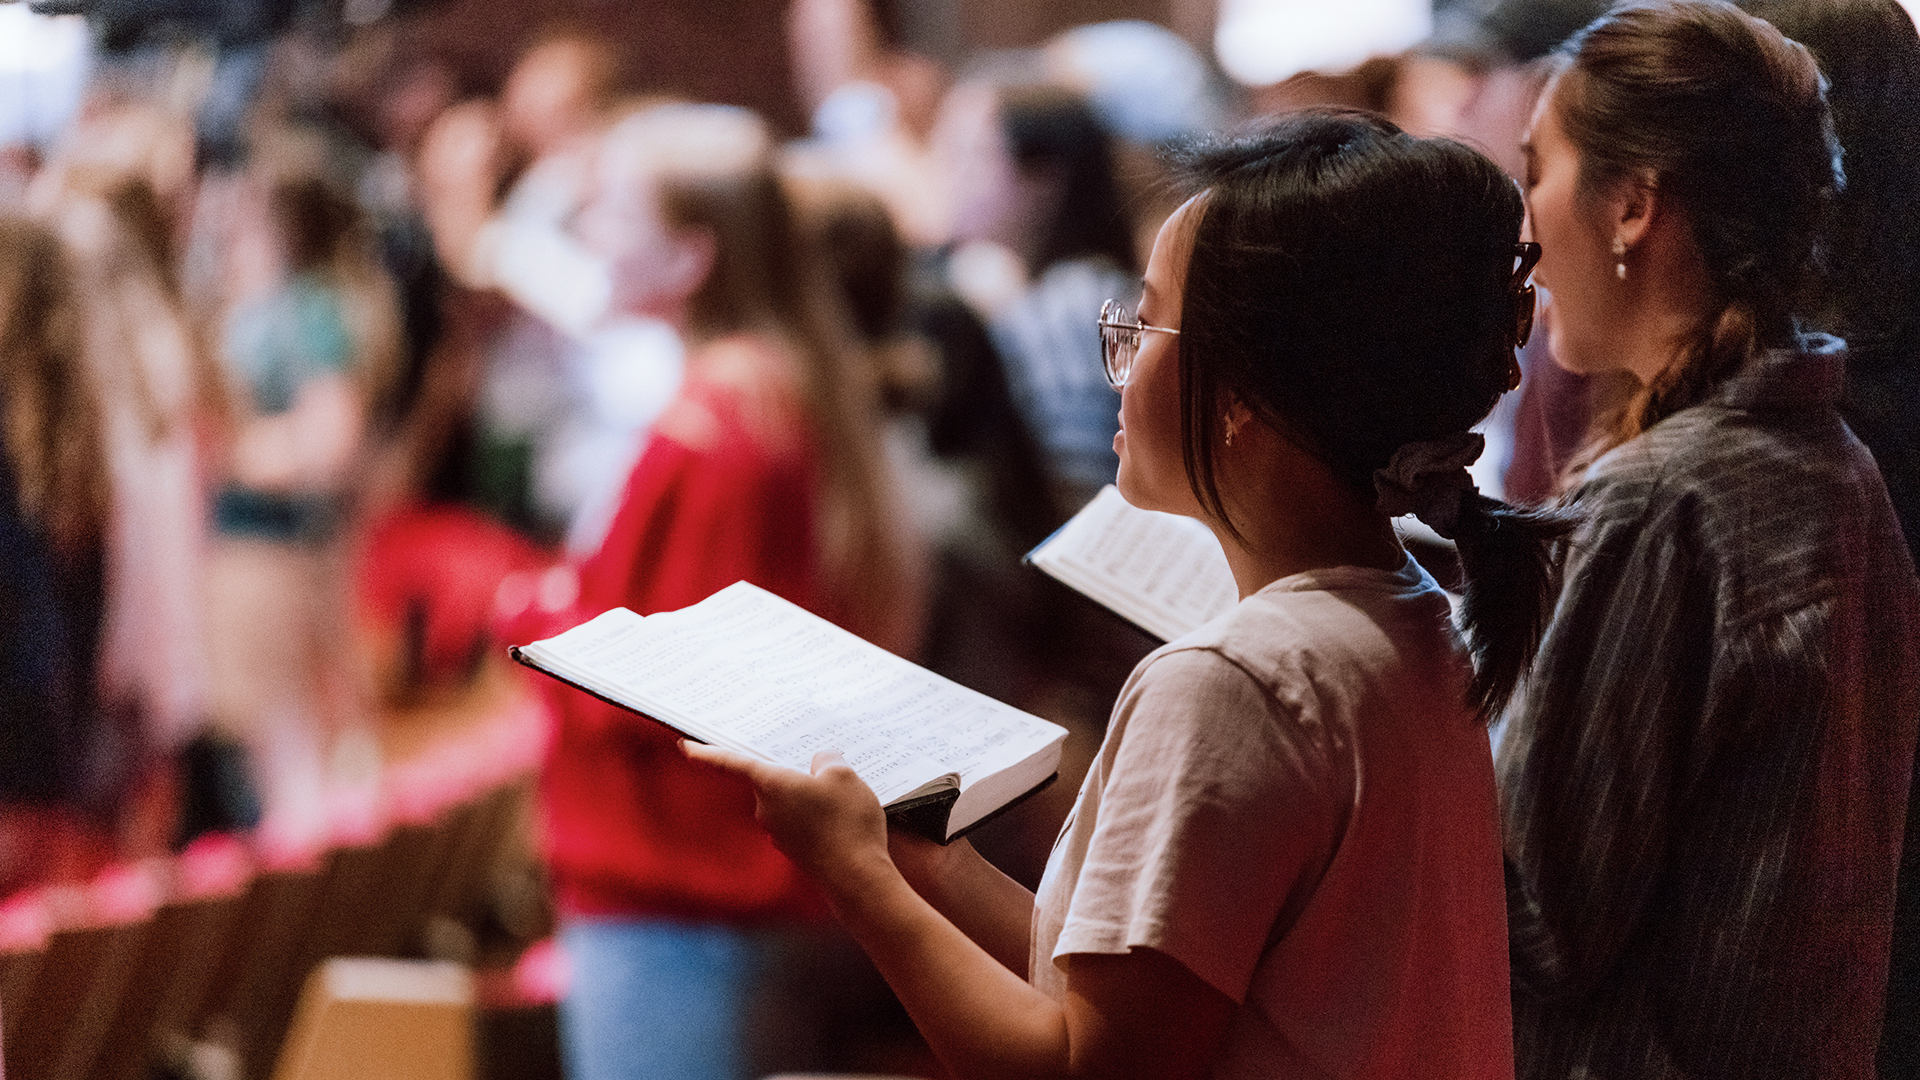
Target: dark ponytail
x=1510, y=558
x=1356, y=287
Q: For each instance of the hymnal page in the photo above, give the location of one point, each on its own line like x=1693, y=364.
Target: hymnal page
x=1163, y=572
x=749, y=671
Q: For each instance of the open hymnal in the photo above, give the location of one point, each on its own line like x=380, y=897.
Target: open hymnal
x=745, y=670
x=1162, y=572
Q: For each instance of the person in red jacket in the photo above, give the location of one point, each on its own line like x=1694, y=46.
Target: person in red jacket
x=765, y=467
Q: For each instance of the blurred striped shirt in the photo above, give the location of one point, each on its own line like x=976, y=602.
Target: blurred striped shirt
x=1051, y=349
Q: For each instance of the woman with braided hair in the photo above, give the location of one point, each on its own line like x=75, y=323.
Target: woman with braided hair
x=1705, y=780
x=1285, y=859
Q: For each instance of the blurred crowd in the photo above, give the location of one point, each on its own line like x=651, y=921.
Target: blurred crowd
x=308, y=393
x=327, y=370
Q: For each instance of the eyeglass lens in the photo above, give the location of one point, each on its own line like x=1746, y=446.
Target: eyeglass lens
x=1118, y=343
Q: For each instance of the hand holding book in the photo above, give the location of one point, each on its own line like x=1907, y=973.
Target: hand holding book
x=825, y=819
x=750, y=672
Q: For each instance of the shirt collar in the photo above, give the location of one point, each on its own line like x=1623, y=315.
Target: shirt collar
x=1809, y=376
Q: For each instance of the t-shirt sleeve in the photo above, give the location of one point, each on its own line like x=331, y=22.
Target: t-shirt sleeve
x=1218, y=814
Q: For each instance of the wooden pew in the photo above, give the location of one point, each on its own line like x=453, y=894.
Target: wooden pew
x=191, y=931
x=97, y=934
x=263, y=957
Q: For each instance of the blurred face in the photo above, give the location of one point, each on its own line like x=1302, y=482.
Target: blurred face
x=407, y=112
x=655, y=268
x=988, y=195
x=1575, y=233
x=828, y=43
x=548, y=97
x=1153, y=472
x=255, y=255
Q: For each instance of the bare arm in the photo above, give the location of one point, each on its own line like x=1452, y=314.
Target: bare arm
x=1139, y=1014
x=970, y=892
x=460, y=164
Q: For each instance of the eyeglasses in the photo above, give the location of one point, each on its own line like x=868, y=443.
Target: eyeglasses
x=1526, y=256
x=1120, y=340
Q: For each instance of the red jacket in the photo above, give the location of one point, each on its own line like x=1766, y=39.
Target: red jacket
x=723, y=491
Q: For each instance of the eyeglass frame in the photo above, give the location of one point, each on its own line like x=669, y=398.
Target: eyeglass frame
x=1111, y=324
x=1526, y=255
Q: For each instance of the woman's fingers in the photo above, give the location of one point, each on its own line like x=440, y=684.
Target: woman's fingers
x=778, y=786
x=724, y=759
x=822, y=821
x=760, y=773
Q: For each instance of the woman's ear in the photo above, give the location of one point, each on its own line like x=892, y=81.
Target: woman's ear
x=1636, y=201
x=1238, y=416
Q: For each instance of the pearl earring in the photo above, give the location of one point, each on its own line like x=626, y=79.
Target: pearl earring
x=1620, y=257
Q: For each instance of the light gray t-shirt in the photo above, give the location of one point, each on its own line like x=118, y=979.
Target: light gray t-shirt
x=1295, y=803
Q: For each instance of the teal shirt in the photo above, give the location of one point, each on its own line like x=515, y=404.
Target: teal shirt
x=278, y=344
x=275, y=346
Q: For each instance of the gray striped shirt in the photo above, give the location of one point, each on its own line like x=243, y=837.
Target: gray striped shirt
x=1705, y=780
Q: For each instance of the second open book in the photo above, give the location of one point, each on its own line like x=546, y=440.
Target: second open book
x=1164, y=573
x=745, y=670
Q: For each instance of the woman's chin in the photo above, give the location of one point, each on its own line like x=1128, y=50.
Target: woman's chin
x=1132, y=491
x=1569, y=353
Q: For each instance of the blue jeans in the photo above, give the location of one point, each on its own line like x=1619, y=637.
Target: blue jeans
x=654, y=999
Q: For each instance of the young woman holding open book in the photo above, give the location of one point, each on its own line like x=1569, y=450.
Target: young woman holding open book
x=1285, y=860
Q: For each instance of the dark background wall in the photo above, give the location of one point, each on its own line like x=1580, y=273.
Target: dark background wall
x=735, y=51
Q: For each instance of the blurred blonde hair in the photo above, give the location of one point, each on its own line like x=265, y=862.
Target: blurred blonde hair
x=49, y=413
x=122, y=243
x=850, y=230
